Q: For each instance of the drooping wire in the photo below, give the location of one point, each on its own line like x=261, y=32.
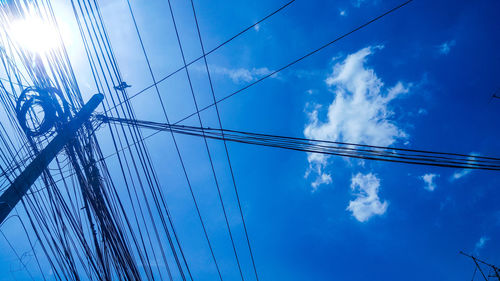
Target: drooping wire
x=61, y=234
x=214, y=174
x=298, y=59
x=59, y=237
x=212, y=91
x=362, y=151
x=314, y=51
x=165, y=114
x=286, y=66
x=149, y=173
x=211, y=51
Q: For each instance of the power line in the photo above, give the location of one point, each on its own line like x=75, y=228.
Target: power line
x=173, y=137
x=225, y=144
x=310, y=53
x=206, y=143
x=353, y=150
x=208, y=53
x=299, y=59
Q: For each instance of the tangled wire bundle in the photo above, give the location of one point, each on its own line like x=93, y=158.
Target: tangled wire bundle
x=39, y=111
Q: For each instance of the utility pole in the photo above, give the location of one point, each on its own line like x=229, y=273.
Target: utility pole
x=23, y=182
x=496, y=270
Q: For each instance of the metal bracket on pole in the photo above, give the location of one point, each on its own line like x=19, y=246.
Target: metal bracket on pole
x=23, y=182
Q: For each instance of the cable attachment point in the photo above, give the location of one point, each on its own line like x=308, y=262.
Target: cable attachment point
x=102, y=118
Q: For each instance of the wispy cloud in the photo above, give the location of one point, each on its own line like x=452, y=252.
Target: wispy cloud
x=445, y=48
x=343, y=13
x=480, y=244
x=359, y=112
x=240, y=75
x=321, y=178
x=460, y=174
x=428, y=179
x=367, y=203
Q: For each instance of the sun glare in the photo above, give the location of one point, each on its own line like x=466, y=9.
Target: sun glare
x=34, y=34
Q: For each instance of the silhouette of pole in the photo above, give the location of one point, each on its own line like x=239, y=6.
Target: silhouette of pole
x=19, y=187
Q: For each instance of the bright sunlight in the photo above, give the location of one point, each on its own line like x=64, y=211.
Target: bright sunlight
x=35, y=34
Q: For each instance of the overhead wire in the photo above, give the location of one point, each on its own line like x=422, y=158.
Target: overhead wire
x=165, y=114
x=56, y=216
x=292, y=62
x=212, y=91
x=6, y=103
x=135, y=167
x=67, y=265
x=362, y=151
x=286, y=66
x=211, y=50
x=104, y=77
x=272, y=73
x=207, y=148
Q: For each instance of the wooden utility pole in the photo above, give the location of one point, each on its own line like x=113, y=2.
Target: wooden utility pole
x=23, y=182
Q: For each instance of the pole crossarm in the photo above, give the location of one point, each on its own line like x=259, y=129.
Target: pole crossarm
x=19, y=187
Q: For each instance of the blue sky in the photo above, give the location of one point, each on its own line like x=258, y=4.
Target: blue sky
x=419, y=78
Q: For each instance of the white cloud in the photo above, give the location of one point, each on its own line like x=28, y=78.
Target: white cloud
x=428, y=179
x=367, y=203
x=480, y=244
x=239, y=75
x=257, y=27
x=464, y=172
x=316, y=164
x=359, y=112
x=445, y=48
x=343, y=13
x=460, y=174
x=324, y=179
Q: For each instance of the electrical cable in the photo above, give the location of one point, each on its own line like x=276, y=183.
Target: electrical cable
x=224, y=140
x=211, y=51
x=400, y=155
